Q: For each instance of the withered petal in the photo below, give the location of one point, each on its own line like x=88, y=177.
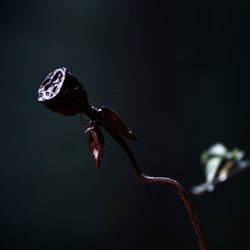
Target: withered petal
x=96, y=143
x=114, y=121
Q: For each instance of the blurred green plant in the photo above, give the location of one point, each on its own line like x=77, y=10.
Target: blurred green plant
x=220, y=164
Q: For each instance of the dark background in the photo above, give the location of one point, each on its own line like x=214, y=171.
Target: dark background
x=177, y=71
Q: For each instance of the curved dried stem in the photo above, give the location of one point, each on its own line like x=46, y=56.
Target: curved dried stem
x=163, y=180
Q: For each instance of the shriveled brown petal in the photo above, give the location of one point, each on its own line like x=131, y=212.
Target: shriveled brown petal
x=96, y=143
x=112, y=120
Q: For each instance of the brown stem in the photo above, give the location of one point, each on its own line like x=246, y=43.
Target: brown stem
x=236, y=168
x=163, y=180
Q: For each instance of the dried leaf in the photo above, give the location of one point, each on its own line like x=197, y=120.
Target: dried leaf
x=112, y=120
x=96, y=143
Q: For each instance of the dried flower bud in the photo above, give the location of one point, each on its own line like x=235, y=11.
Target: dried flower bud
x=62, y=92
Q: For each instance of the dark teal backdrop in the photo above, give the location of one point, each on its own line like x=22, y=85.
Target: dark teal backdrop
x=177, y=71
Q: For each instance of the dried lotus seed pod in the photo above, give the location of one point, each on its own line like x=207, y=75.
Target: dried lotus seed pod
x=62, y=92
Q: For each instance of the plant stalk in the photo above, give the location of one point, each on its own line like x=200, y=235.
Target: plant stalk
x=163, y=180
